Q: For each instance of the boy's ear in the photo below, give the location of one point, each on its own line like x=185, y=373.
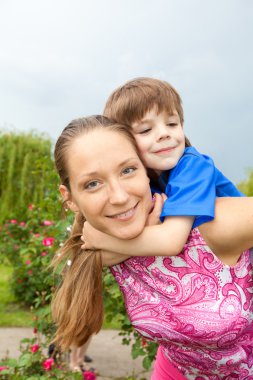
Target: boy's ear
x=68, y=198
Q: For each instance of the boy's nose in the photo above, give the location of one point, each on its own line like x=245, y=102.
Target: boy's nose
x=163, y=132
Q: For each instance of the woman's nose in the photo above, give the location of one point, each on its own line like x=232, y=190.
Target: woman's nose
x=117, y=193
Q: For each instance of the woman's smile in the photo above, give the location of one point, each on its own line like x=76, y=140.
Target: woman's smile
x=125, y=215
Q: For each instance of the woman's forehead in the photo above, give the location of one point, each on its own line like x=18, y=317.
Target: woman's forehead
x=100, y=148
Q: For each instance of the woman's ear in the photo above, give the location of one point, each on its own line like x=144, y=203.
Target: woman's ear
x=68, y=198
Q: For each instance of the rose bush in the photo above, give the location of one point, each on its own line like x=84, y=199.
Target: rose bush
x=33, y=363
x=29, y=247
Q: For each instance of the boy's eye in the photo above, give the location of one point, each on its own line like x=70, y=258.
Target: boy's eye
x=129, y=170
x=144, y=131
x=172, y=124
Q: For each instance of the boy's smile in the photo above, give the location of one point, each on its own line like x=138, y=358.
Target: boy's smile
x=160, y=139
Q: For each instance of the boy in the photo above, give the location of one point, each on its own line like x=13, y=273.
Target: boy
x=153, y=110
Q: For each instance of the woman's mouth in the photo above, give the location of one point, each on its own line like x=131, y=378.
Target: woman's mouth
x=125, y=215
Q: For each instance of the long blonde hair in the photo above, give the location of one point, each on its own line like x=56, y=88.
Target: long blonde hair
x=77, y=305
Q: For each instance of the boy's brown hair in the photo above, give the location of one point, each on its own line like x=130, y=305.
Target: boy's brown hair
x=129, y=103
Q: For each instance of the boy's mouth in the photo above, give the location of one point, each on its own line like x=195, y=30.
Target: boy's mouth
x=164, y=150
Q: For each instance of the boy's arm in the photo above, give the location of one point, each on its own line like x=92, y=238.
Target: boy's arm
x=112, y=258
x=166, y=239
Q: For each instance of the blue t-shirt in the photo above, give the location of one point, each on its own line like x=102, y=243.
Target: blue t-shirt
x=192, y=186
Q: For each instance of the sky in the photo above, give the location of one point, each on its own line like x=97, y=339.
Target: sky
x=61, y=59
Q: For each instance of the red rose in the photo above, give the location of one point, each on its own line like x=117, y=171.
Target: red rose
x=47, y=242
x=88, y=375
x=35, y=348
x=2, y=368
x=47, y=223
x=48, y=364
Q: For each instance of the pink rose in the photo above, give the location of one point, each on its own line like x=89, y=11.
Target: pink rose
x=47, y=223
x=35, y=348
x=36, y=235
x=88, y=375
x=43, y=254
x=22, y=224
x=28, y=262
x=47, y=242
x=13, y=221
x=31, y=207
x=2, y=368
x=48, y=364
x=30, y=272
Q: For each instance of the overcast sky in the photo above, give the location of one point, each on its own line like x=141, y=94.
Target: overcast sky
x=60, y=59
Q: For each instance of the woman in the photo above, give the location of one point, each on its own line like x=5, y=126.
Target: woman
x=196, y=305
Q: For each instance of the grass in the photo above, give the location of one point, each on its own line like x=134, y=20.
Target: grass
x=11, y=313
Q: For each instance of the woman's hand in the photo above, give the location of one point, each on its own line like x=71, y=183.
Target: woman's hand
x=154, y=216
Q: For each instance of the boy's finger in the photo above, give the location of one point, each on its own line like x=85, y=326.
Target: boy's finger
x=158, y=204
x=164, y=197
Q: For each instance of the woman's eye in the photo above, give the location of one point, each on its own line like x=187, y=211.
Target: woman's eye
x=129, y=170
x=91, y=185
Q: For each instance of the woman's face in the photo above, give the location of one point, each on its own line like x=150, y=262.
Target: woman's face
x=108, y=183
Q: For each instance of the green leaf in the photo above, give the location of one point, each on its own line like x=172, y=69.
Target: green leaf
x=147, y=362
x=24, y=360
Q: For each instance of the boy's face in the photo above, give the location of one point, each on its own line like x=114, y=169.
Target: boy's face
x=160, y=139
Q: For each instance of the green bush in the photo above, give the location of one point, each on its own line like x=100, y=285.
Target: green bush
x=26, y=170
x=247, y=186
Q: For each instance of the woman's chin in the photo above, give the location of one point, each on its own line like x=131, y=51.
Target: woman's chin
x=128, y=233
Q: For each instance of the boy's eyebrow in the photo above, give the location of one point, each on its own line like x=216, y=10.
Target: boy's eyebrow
x=143, y=121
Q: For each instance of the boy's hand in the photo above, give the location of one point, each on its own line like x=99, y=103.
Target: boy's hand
x=154, y=216
x=91, y=237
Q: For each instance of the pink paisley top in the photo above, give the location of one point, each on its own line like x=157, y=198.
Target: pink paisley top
x=198, y=309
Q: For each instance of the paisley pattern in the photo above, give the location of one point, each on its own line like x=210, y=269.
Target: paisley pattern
x=198, y=309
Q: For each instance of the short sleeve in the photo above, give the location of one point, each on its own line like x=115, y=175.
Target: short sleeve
x=191, y=189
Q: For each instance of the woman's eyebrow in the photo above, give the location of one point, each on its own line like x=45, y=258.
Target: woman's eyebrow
x=95, y=172
x=127, y=161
